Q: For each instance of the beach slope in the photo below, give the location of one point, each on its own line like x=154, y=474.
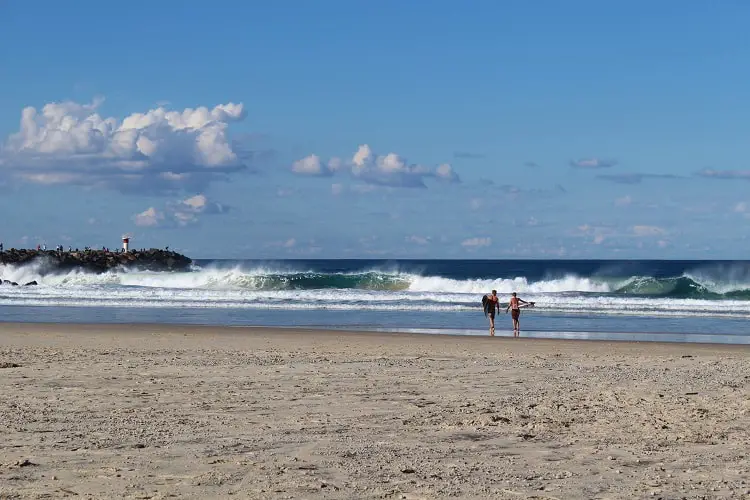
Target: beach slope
x=140, y=411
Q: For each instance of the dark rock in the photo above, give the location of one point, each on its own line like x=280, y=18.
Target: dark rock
x=98, y=261
x=6, y=364
x=31, y=283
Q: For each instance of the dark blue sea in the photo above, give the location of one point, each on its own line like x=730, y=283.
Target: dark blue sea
x=694, y=301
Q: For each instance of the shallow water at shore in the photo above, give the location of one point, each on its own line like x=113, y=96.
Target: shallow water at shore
x=535, y=324
x=645, y=300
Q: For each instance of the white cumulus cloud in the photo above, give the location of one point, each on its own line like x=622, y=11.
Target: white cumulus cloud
x=312, y=165
x=418, y=240
x=289, y=244
x=199, y=204
x=181, y=213
x=384, y=170
x=476, y=203
x=599, y=234
x=593, y=163
x=644, y=230
x=476, y=242
x=157, y=151
x=445, y=171
x=624, y=201
x=149, y=218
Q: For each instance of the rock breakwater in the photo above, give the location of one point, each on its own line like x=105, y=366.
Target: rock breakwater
x=98, y=261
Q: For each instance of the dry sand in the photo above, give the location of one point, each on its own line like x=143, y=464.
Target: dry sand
x=202, y=412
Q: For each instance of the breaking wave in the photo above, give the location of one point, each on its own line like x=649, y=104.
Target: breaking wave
x=259, y=287
x=265, y=279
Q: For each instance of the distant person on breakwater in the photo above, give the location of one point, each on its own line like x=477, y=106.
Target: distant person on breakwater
x=1, y=247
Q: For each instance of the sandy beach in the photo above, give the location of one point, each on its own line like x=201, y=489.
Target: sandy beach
x=139, y=411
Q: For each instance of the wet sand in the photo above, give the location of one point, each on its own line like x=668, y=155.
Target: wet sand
x=142, y=411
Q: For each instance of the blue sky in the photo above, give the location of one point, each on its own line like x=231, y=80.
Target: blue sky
x=483, y=129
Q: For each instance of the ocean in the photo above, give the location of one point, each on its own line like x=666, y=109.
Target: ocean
x=691, y=301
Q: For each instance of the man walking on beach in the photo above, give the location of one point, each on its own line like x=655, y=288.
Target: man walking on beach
x=515, y=306
x=491, y=303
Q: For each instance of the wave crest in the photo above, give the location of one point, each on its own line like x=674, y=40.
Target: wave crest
x=506, y=286
x=238, y=278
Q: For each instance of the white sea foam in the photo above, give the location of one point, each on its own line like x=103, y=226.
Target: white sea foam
x=520, y=285
x=268, y=288
x=259, y=278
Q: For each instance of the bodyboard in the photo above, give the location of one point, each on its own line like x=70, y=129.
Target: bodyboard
x=485, y=304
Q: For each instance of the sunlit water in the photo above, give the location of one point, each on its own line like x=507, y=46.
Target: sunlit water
x=701, y=301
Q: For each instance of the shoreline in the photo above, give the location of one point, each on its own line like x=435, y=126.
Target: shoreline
x=188, y=411
x=414, y=334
